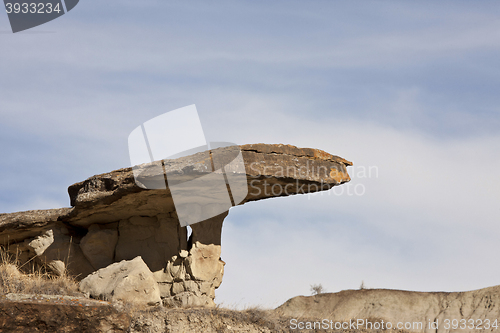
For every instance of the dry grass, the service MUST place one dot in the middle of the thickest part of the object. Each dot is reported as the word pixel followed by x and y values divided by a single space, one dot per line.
pixel 12 280
pixel 256 316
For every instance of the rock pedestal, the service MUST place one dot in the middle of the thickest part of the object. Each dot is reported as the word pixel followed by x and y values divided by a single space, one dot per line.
pixel 114 219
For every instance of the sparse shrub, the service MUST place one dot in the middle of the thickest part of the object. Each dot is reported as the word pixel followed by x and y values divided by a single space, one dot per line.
pixel 362 286
pixel 317 289
pixel 257 315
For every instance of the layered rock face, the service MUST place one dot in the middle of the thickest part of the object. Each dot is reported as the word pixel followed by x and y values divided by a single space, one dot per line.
pixel 114 218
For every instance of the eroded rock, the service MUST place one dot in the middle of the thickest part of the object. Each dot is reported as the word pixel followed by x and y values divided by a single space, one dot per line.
pixel 57 250
pixel 99 244
pixel 156 239
pixel 114 218
pixel 129 281
pixel 39 244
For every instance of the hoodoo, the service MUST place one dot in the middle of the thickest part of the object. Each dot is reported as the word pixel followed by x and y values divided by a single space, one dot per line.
pixel 115 222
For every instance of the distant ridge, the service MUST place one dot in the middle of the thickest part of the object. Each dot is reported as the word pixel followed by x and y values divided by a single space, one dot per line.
pixel 476 310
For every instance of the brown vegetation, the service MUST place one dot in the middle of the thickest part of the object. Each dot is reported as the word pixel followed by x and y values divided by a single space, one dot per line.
pixel 39 281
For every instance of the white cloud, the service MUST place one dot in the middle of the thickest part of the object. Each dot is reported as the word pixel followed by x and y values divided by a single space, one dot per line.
pixel 428 222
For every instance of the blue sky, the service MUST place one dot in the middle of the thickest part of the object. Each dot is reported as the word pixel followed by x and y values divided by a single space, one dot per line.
pixel 410 88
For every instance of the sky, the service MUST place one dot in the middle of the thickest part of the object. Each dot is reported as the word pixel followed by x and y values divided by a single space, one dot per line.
pixel 407 91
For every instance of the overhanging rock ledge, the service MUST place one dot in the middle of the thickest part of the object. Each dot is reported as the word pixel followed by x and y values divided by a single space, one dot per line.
pixel 113 219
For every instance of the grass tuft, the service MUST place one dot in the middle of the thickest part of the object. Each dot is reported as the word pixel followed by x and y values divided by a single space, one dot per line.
pixel 12 280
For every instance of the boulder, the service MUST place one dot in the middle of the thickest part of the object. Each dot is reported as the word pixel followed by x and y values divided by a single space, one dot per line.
pixel 40 243
pixel 129 281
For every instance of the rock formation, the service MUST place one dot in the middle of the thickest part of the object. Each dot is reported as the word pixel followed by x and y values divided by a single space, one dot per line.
pixel 113 219
pixel 471 311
